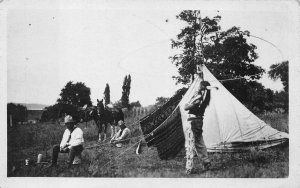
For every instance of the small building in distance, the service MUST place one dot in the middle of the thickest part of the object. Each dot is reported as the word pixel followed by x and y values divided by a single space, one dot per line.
pixel 34 116
pixel 34 113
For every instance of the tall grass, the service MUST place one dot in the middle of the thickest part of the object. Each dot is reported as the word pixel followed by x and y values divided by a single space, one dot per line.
pixel 107 161
pixel 277 121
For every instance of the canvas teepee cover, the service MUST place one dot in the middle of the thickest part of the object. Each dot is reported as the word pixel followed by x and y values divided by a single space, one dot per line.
pixel 227 126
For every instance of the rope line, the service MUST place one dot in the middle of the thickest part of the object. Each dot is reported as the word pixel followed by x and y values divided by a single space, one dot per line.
pixel 229 79
pixel 108 143
pixel 103 144
pixel 121 153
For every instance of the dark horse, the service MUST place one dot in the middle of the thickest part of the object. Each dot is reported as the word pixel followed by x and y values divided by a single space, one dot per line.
pixel 104 116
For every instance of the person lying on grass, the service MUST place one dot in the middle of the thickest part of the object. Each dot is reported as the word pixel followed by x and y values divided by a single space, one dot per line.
pixel 121 137
pixel 72 142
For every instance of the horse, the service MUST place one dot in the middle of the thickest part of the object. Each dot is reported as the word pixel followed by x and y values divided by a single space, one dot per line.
pixel 84 114
pixel 103 116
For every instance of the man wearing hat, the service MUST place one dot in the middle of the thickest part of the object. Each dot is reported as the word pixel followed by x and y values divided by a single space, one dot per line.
pixel 121 137
pixel 72 142
pixel 194 142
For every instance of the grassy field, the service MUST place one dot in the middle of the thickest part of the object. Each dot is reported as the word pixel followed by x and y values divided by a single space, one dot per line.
pixel 107 161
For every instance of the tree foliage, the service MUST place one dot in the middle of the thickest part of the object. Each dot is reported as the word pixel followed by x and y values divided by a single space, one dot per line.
pixel 135 104
pixel 72 97
pixel 118 104
pixel 161 101
pixel 76 94
pixel 281 100
pixel 106 95
pixel 126 91
pixel 226 53
pixel 58 110
pixel 18 113
pixel 280 71
pixel 258 98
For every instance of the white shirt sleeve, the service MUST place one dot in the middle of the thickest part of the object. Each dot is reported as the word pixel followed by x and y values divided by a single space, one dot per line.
pixel 65 138
pixel 76 137
pixel 125 134
pixel 116 135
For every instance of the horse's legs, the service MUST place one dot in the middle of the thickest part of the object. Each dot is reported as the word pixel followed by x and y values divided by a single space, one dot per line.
pixel 113 129
pixel 105 129
pixel 99 124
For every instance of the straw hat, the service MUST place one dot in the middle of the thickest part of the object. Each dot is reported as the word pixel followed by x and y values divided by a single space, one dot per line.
pixel 121 123
pixel 69 119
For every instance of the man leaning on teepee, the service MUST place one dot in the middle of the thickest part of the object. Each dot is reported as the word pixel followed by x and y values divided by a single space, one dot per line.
pixel 196 108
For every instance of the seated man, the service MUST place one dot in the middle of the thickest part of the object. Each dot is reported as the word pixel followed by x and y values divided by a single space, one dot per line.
pixel 72 142
pixel 121 137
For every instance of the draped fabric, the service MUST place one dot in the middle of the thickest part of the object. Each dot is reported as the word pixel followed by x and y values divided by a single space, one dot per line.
pixel 166 127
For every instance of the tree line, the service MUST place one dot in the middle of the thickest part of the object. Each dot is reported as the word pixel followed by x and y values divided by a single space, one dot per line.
pixel 74 96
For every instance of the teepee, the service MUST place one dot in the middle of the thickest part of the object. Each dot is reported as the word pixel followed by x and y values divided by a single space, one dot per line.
pixel 227 125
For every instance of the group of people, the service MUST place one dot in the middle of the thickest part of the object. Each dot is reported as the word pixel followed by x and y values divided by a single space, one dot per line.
pixel 72 141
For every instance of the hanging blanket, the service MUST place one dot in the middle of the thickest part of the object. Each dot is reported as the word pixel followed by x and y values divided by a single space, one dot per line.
pixel 166 127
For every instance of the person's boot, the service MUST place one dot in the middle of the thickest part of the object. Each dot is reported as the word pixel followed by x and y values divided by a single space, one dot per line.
pixel 188 171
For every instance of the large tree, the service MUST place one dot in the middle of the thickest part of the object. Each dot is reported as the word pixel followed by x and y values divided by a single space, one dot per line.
pixel 107 95
pixel 280 71
pixel 126 91
pixel 58 110
pixel 227 54
pixel 77 94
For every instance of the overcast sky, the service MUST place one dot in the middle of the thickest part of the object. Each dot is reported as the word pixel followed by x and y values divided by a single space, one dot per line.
pixel 47 47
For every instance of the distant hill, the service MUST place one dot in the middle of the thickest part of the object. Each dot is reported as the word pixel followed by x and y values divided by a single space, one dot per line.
pixel 34 106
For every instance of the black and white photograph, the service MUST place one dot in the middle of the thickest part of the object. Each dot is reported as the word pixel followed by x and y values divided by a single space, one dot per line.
pixel 166 90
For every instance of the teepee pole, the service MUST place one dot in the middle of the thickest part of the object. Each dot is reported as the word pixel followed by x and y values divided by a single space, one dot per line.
pixel 199 67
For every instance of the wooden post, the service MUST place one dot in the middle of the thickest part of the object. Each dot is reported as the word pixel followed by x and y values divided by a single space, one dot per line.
pixel 200 70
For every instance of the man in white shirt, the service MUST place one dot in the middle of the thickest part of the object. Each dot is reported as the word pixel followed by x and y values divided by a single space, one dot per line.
pixel 121 137
pixel 72 142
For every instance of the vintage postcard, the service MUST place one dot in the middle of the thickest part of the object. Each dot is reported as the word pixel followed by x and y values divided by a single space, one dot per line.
pixel 162 93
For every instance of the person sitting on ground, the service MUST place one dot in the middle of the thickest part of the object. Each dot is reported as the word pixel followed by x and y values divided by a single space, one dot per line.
pixel 121 137
pixel 72 142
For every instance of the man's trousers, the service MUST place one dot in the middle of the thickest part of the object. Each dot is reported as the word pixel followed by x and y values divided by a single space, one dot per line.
pixel 74 151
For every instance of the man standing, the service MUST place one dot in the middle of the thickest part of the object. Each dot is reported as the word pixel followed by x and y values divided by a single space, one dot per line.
pixel 72 142
pixel 121 137
pixel 196 107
